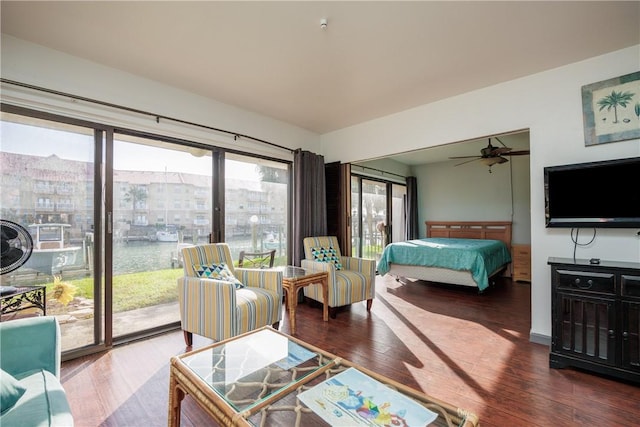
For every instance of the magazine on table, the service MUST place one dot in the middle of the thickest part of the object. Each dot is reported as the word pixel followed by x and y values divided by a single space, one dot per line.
pixel 352 398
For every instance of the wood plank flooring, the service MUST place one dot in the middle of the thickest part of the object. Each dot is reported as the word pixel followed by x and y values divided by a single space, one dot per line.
pixel 470 350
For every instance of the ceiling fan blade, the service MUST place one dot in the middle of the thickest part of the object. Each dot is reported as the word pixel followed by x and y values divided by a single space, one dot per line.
pixel 518 153
pixel 498 151
pixel 465 157
pixel 468 161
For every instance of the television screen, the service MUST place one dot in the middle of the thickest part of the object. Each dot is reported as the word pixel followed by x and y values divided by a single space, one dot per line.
pixel 597 194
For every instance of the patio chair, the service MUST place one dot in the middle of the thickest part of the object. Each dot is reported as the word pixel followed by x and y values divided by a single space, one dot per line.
pixel 256 259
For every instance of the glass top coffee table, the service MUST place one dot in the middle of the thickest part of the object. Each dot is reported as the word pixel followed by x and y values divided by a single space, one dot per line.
pixel 266 378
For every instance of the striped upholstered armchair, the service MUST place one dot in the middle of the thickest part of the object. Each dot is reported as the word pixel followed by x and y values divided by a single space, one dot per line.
pixel 219 301
pixel 350 279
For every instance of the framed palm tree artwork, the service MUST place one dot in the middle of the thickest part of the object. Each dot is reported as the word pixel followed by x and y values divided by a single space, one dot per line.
pixel 611 110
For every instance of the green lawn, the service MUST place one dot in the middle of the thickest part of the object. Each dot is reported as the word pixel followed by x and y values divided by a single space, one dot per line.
pixel 134 290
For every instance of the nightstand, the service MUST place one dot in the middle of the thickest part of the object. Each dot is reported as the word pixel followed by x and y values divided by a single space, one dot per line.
pixel 521 263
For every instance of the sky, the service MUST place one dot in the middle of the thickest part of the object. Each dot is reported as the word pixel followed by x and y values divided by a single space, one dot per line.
pixel 34 140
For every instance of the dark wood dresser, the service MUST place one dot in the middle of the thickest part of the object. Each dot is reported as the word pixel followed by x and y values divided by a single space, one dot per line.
pixel 596 317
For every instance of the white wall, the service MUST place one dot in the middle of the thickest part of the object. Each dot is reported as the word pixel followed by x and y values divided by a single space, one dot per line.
pixel 398 171
pixel 549 105
pixel 470 193
pixel 36 65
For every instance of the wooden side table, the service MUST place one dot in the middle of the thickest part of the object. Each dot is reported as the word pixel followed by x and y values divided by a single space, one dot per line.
pixel 296 278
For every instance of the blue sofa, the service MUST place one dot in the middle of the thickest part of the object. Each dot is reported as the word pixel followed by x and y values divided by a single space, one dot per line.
pixel 30 389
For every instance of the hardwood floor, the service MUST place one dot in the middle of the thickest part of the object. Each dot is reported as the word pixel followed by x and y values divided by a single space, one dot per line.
pixel 470 350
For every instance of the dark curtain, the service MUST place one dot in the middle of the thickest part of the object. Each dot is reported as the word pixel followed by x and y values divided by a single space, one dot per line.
pixel 411 230
pixel 309 200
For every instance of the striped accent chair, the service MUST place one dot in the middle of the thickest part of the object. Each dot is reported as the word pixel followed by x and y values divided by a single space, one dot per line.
pixel 220 309
pixel 350 279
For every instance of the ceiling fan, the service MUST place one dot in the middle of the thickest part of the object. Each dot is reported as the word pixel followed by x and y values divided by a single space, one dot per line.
pixel 491 155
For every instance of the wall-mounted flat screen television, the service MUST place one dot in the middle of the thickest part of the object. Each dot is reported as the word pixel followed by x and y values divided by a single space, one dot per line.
pixel 596 194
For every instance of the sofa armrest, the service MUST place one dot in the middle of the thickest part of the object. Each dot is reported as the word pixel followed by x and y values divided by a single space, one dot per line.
pixel 261 278
pixel 30 343
pixel 363 265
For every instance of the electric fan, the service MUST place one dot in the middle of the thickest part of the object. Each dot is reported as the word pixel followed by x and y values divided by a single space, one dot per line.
pixel 17 246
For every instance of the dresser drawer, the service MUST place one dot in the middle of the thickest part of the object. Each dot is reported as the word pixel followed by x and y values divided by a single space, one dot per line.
pixel 524 275
pixel 521 251
pixel 585 281
pixel 630 285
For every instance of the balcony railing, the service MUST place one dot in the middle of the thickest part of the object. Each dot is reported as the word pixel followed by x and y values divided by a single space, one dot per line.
pixel 64 189
pixel 45 206
pixel 44 189
pixel 64 207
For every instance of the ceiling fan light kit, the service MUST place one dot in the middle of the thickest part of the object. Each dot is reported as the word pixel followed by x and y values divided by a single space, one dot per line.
pixel 490 161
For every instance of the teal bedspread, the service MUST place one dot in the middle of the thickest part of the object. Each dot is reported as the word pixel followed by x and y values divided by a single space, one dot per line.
pixel 480 257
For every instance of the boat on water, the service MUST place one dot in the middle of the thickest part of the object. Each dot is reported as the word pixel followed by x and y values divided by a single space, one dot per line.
pixel 270 242
pixel 169 234
pixel 52 250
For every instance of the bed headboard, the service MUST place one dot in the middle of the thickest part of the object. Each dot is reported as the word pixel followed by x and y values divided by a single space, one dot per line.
pixel 496 230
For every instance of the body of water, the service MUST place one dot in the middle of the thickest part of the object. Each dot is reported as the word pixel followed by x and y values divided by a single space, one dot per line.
pixel 134 257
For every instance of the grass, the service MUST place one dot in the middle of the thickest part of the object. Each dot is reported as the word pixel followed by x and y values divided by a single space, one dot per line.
pixel 134 290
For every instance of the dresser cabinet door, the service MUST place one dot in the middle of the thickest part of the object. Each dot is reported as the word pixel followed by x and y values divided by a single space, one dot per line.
pixel 585 327
pixel 631 322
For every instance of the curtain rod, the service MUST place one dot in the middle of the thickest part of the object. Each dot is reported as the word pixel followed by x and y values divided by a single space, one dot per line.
pixel 379 170
pixel 236 135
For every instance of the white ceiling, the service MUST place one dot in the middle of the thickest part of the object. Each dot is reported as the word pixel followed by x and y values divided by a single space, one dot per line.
pixel 518 141
pixel 373 59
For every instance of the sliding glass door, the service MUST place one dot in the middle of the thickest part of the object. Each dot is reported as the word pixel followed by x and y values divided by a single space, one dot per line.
pixel 161 203
pixel 377 215
pixel 109 211
pixel 48 186
pixel 256 206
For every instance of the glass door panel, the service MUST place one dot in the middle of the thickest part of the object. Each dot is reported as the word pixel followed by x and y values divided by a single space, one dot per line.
pixel 47 186
pixel 161 202
pixel 256 206
pixel 377 215
pixel 374 218
pixel 356 218
pixel 398 212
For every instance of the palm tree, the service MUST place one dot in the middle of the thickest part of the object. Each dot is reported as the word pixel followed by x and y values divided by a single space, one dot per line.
pixel 614 100
pixel 269 174
pixel 135 194
pixel 637 109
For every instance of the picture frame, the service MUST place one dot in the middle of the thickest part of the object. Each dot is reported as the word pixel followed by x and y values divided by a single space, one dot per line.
pixel 611 110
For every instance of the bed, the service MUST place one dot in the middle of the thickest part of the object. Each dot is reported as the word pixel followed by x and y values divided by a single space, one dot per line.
pixel 466 253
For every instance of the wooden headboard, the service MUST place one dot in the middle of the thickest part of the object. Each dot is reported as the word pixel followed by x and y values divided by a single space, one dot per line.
pixel 496 230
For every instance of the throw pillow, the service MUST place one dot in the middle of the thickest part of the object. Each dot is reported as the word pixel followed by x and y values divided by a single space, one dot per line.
pixel 219 272
pixel 327 255
pixel 10 391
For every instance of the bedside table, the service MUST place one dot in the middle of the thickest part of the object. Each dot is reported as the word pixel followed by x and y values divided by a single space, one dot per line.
pixel 521 263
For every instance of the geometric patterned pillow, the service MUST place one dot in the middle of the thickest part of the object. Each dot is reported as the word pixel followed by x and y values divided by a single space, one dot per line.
pixel 219 272
pixel 327 255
